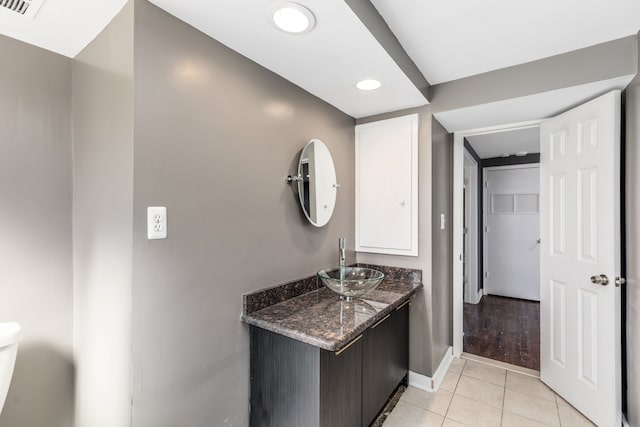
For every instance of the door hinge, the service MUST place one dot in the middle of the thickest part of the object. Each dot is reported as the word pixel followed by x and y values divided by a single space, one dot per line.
pixel 486 184
pixel 465 230
pixel 486 274
pixel 620 281
pixel 486 229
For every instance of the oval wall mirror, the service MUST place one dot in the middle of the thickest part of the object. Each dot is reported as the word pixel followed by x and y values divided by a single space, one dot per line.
pixel 317 182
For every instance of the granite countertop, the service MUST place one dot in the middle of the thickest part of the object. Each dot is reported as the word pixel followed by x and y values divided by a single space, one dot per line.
pixel 322 319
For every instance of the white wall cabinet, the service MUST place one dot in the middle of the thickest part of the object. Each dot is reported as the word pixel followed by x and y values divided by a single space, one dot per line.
pixel 387 186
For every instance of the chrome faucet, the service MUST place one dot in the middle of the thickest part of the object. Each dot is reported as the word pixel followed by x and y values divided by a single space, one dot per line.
pixel 341 246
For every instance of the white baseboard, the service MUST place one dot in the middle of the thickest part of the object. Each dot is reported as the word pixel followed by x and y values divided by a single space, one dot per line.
pixel 479 296
pixel 420 381
pixel 432 384
pixel 474 299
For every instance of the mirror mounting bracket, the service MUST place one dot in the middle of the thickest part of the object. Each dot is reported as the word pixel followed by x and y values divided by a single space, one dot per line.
pixel 291 178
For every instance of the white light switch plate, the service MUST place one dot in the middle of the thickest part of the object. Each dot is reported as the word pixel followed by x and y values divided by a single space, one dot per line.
pixel 442 222
pixel 156 222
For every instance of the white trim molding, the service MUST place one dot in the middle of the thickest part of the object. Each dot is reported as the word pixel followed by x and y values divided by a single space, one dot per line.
pixel 470 222
pixel 432 384
pixel 479 296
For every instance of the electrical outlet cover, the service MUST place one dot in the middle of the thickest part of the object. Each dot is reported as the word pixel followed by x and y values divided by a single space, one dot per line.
pixel 156 222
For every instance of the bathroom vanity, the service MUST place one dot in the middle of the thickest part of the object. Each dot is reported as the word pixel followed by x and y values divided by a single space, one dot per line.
pixel 317 360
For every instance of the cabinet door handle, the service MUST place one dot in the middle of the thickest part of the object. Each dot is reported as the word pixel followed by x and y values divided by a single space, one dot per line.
pixel 348 345
pixel 405 303
pixel 380 321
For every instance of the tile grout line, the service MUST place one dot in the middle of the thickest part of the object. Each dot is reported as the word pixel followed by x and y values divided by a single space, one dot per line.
pixel 404 402
pixel 453 393
pixel 555 399
pixel 483 382
pixel 501 365
pixel 558 409
pixel 504 396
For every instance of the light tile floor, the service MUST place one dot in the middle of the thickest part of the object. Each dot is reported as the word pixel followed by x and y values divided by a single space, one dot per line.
pixel 474 394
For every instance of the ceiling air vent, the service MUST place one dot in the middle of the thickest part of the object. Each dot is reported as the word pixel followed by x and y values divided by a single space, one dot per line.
pixel 28 8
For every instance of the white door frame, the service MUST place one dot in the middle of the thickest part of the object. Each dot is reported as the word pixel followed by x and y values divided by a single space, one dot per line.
pixel 471 257
pixel 458 218
pixel 485 217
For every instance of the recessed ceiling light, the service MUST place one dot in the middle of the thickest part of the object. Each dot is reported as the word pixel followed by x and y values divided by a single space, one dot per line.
pixel 292 18
pixel 368 84
pixel 521 153
pixel 505 155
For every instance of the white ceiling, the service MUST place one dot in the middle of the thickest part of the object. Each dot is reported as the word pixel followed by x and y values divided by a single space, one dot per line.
pixel 510 142
pixel 326 62
pixel 451 39
pixel 447 39
pixel 62 26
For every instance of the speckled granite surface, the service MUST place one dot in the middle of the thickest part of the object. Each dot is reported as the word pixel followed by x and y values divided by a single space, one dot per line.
pixel 396 273
pixel 322 319
pixel 264 298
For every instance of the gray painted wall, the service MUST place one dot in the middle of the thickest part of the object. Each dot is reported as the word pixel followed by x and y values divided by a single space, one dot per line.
pixel 421 312
pixel 431 331
pixel 632 105
pixel 35 231
pixel 103 223
pixel 442 241
pixel 215 135
pixel 591 64
pixel 431 309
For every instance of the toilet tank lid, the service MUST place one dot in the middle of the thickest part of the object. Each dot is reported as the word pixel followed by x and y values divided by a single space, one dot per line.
pixel 10 333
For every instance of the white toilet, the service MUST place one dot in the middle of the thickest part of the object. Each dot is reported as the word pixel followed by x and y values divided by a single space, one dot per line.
pixel 10 335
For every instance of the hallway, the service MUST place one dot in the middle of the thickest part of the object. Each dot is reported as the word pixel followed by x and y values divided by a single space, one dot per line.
pixel 504 329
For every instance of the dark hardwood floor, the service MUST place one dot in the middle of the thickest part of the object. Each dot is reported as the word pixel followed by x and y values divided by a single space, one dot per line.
pixel 504 329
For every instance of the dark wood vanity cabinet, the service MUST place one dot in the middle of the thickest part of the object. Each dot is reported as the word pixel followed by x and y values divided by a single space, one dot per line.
pixel 295 384
pixel 385 361
pixel 341 387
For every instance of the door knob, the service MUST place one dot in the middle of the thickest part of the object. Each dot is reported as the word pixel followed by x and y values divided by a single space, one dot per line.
pixel 600 280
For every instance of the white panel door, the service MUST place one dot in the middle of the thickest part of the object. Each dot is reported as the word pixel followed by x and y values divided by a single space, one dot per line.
pixel 387 186
pixel 513 229
pixel 580 320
